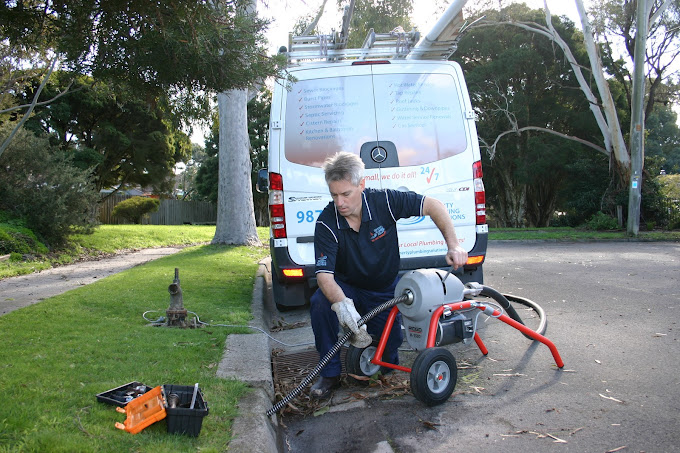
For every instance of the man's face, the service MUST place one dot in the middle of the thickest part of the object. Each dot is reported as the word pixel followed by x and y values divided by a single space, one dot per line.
pixel 347 196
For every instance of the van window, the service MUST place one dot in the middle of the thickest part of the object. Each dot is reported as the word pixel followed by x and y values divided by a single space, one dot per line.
pixel 419 113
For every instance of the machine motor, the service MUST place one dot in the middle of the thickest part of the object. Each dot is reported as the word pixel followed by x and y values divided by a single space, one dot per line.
pixel 432 288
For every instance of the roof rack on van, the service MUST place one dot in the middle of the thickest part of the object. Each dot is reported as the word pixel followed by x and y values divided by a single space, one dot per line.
pixel 438 44
pixel 393 45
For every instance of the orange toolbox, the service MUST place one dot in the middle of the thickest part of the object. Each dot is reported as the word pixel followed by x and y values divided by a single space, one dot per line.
pixel 143 411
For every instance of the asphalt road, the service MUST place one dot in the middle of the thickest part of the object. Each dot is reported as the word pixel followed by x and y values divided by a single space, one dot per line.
pixel 611 311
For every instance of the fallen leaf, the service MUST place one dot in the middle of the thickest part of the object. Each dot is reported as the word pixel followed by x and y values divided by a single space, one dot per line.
pixel 321 411
pixel 359 378
pixel 429 425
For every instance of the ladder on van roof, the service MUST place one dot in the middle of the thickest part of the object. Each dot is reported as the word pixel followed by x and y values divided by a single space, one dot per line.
pixel 439 44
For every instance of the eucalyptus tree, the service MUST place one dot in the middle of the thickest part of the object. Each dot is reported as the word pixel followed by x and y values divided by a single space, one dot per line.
pixel 527 101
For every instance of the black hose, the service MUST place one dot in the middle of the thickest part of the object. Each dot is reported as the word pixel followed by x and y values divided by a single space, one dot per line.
pixel 334 350
pixel 504 301
pixel 543 324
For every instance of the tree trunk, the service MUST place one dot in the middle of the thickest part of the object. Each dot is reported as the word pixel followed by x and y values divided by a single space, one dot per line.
pixel 512 200
pixel 235 213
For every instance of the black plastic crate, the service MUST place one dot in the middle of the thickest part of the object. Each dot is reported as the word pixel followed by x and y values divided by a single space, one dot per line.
pixel 180 418
pixel 122 395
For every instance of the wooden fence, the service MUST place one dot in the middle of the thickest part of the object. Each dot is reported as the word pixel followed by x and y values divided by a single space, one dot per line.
pixel 170 212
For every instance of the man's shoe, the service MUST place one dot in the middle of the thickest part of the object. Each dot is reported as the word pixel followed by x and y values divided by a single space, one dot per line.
pixel 324 386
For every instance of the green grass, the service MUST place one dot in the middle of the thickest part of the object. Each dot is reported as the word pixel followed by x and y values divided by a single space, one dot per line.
pixel 113 238
pixel 58 354
pixel 108 239
pixel 573 234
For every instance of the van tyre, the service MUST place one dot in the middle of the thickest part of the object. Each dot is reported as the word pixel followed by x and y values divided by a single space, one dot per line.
pixel 433 376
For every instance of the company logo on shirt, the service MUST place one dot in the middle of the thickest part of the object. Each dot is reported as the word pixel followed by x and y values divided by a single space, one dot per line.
pixel 377 233
pixel 322 260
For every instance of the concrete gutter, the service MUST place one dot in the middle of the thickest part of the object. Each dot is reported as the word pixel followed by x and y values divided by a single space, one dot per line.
pixel 247 358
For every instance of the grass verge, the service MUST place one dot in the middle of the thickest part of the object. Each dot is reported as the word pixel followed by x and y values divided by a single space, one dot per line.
pixel 58 354
pixel 574 234
pixel 109 239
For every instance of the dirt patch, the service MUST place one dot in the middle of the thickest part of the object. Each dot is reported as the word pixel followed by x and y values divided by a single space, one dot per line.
pixel 18 292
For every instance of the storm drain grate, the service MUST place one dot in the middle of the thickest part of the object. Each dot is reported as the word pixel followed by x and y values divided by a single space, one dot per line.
pixel 292 368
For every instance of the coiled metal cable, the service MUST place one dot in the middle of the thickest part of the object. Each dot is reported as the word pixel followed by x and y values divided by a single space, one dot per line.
pixel 334 350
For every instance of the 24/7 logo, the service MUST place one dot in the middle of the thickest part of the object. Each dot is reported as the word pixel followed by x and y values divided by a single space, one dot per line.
pixel 430 175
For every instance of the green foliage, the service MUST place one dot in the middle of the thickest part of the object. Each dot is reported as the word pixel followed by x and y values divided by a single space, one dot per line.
pixel 601 221
pixel 190 49
pixel 19 240
pixel 518 79
pixel 122 138
pixel 135 208
pixel 381 15
pixel 670 186
pixel 39 184
pixel 581 195
pixel 662 140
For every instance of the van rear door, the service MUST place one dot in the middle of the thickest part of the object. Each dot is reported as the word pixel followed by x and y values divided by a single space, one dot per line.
pixel 405 119
pixel 420 111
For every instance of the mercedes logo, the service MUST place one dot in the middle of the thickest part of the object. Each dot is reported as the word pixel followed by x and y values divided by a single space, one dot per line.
pixel 378 154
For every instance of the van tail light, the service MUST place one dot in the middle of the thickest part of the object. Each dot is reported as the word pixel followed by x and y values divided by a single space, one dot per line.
pixel 296 272
pixel 277 216
pixel 480 194
pixel 474 260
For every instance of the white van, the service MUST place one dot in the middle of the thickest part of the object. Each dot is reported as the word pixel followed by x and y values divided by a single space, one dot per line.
pixel 412 124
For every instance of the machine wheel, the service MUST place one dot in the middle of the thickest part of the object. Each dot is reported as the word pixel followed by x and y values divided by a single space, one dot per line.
pixel 433 376
pixel 358 361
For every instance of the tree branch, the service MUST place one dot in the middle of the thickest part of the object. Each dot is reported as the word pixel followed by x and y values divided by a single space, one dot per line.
pixel 38 104
pixel 518 131
pixel 8 140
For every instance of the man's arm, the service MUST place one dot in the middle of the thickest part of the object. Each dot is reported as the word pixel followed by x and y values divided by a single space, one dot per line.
pixel 329 287
pixel 456 255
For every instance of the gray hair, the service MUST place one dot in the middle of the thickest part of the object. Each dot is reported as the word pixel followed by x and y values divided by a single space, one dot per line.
pixel 344 166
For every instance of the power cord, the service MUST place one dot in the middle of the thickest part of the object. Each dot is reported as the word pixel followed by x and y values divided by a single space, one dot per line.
pixel 161 320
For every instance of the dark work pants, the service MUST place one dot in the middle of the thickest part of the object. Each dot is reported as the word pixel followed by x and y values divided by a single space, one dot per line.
pixel 326 327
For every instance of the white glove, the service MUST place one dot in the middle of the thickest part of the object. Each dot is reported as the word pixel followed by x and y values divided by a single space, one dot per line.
pixel 348 317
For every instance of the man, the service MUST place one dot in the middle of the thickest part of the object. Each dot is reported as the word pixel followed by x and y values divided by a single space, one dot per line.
pixel 357 259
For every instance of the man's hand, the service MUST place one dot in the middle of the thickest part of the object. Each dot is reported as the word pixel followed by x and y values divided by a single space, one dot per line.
pixel 348 317
pixel 456 257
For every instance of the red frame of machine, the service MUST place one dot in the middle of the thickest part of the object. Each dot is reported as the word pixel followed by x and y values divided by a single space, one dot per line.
pixel 432 333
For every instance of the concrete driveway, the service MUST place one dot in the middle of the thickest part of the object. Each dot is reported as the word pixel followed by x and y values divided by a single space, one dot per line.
pixel 611 311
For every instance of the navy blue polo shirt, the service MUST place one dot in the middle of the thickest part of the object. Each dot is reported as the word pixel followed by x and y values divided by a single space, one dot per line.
pixel 368 259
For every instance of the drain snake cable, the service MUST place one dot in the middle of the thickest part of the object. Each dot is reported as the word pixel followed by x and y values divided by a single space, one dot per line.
pixel 334 350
